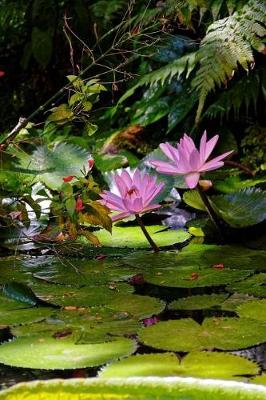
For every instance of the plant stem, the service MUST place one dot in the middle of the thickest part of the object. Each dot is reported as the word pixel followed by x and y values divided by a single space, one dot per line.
pixel 144 230
pixel 242 167
pixel 213 216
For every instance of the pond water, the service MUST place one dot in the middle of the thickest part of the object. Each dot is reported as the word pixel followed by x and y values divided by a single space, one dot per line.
pixel 198 311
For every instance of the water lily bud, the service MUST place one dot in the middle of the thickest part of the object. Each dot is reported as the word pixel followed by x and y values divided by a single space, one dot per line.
pixel 205 184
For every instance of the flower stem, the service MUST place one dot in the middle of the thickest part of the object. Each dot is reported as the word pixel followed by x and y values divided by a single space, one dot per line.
pixel 209 209
pixel 144 230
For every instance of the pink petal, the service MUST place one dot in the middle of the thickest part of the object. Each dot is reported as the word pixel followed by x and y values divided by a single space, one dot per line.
pixel 215 162
pixel 137 205
pixel 121 185
pixel 170 151
pixel 210 146
pixel 114 201
pixel 136 180
pixel 165 167
pixel 194 160
pixel 126 178
pixel 122 215
pixel 152 194
pixel 192 179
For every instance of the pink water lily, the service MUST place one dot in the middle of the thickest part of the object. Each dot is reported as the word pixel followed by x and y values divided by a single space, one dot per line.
pixel 132 195
pixel 187 160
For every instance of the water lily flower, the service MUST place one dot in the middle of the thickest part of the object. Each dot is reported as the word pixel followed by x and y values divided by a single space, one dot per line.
pixel 187 160
pixel 132 195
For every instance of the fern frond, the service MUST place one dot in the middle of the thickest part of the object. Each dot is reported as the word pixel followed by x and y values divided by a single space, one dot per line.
pixel 244 93
pixel 183 65
pixel 229 42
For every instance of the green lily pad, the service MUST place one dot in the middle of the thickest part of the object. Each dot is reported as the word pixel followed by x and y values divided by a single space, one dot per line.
pixel 7 304
pixel 137 389
pixel 202 256
pixel 215 333
pixel 259 380
pixel 24 316
pixel 253 309
pixel 193 199
pixel 80 297
pixel 199 302
pixel 133 237
pixel 192 277
pixel 47 353
pixel 235 300
pixel 220 365
pixel 254 285
pixel 84 272
pixel 243 208
pixel 137 306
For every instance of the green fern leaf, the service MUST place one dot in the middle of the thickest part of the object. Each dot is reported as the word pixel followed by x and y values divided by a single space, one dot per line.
pixel 228 44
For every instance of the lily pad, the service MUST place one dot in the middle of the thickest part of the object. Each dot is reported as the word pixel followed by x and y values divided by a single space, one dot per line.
pixel 253 309
pixel 260 379
pixel 243 208
pixel 235 300
pixel 254 285
pixel 47 353
pixel 215 333
pixel 133 237
pixel 137 389
pixel 220 365
pixel 80 297
pixel 24 316
pixel 199 302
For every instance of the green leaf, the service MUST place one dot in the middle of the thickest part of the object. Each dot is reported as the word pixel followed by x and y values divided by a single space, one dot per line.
pixel 215 333
pixel 152 113
pixel 220 365
pixel 259 380
pixel 43 352
pixel 254 285
pixel 90 128
pixel 199 302
pixel 138 389
pixel 253 309
pixel 61 114
pixel 50 165
pixel 193 199
pixel 133 237
pixel 232 184
pixel 71 206
pixel 24 316
pixel 20 292
pixel 240 209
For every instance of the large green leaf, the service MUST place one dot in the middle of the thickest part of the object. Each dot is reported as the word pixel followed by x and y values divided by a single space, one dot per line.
pixel 199 302
pixel 244 208
pixel 44 352
pixel 50 165
pixel 253 309
pixel 133 237
pixel 215 333
pixel 219 365
pixel 255 286
pixel 136 389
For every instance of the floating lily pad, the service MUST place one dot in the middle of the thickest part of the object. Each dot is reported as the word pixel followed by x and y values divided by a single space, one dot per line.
pixel 24 316
pixel 232 302
pixel 202 256
pixel 192 277
pixel 253 309
pixel 133 237
pixel 7 304
pixel 80 297
pixel 198 302
pixel 137 306
pixel 259 380
pixel 85 328
pixel 196 364
pixel 75 272
pixel 214 333
pixel 47 353
pixel 254 285
pixel 137 389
